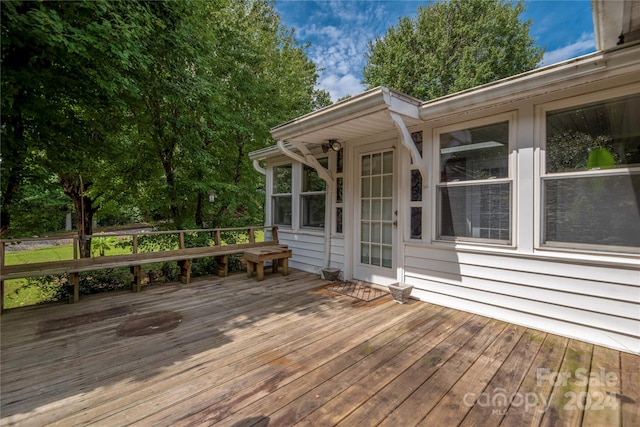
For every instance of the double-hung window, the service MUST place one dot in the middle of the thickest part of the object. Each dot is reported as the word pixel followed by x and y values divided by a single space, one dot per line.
pixel 591 176
pixel 281 195
pixel 312 196
pixel 474 193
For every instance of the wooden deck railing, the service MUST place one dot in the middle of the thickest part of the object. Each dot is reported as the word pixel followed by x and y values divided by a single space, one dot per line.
pixel 183 255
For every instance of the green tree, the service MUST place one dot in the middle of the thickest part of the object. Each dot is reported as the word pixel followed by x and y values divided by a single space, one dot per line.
pixel 212 99
pixel 146 105
pixel 63 78
pixel 321 98
pixel 272 81
pixel 451 46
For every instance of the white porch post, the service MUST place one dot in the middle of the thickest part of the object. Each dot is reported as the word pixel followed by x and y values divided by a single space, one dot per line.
pixel 407 141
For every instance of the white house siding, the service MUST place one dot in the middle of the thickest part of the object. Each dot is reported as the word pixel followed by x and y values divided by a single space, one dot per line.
pixel 337 253
pixel 308 250
pixel 596 303
pixel 590 295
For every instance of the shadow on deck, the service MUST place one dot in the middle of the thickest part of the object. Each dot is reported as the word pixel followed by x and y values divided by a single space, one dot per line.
pixel 287 350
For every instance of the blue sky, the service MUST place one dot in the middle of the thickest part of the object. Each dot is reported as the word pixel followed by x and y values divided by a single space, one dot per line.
pixel 340 29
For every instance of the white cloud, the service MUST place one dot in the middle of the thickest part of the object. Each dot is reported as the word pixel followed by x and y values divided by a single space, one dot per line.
pixel 586 43
pixel 340 32
pixel 340 85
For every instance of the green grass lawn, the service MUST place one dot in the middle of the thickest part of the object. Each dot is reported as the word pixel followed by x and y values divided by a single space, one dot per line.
pixel 29 256
pixel 18 293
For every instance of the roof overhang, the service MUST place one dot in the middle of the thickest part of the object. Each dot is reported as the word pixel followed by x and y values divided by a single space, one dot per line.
pixel 615 22
pixel 366 114
pixel 373 112
pixel 620 60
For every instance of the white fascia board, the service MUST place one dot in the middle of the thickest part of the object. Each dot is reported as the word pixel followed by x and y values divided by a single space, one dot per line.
pixel 564 75
pixel 264 153
pixel 402 104
pixel 608 21
pixel 374 100
pixel 365 103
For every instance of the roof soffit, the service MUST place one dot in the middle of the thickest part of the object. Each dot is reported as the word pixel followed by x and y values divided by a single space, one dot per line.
pixel 564 75
pixel 358 116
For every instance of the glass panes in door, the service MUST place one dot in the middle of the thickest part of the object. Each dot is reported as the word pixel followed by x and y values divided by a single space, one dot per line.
pixel 376 209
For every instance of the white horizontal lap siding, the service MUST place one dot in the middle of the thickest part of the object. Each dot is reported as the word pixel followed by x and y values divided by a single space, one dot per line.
pixel 337 252
pixel 532 285
pixel 576 308
pixel 307 250
pixel 604 337
pixel 564 268
pixel 562 298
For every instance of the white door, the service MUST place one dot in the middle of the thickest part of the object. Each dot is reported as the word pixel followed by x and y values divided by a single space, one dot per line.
pixel 376 218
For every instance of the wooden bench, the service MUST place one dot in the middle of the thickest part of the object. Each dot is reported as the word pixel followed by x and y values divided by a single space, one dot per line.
pixel 256 257
pixel 182 256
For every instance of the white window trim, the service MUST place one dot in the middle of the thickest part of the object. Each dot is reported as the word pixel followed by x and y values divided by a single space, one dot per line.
pixel 270 184
pixel 540 139
pixel 301 194
pixel 510 117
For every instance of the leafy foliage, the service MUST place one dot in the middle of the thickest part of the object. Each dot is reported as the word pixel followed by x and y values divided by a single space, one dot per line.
pixel 146 106
pixel 451 46
pixel 569 151
pixel 102 244
pixel 59 288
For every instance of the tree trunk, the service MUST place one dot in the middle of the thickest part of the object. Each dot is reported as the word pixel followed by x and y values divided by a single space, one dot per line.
pixel 13 184
pixel 199 211
pixel 14 154
pixel 74 187
pixel 241 157
pixel 167 163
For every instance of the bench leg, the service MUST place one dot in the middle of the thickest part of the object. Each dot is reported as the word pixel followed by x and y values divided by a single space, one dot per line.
pixel 260 268
pixel 223 265
pixel 285 266
pixel 250 268
pixel 275 266
pixel 185 271
pixel 75 281
pixel 1 296
pixel 136 284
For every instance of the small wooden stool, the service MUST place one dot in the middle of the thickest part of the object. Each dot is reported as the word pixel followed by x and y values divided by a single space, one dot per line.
pixel 255 258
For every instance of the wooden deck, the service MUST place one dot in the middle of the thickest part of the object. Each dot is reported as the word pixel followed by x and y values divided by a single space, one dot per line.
pixel 287 351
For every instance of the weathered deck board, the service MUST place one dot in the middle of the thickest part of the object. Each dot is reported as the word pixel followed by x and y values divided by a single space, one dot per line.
pixel 456 403
pixel 530 400
pixel 565 399
pixel 604 385
pixel 267 370
pixel 424 395
pixel 359 392
pixel 337 375
pixel 630 389
pixel 328 365
pixel 286 351
pixel 508 378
